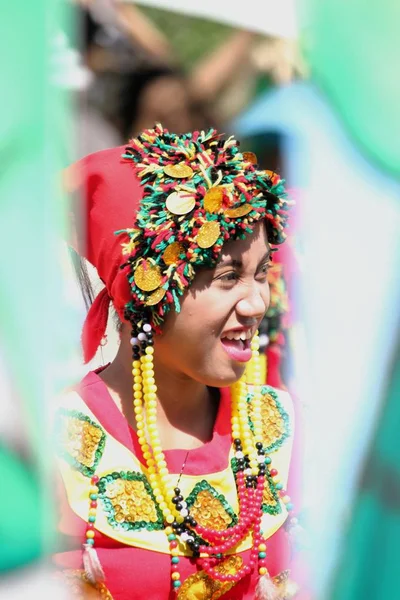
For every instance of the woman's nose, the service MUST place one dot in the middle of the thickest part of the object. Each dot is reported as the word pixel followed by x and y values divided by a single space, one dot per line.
pixel 255 303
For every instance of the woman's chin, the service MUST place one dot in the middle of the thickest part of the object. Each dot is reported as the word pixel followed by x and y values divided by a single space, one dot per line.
pixel 227 376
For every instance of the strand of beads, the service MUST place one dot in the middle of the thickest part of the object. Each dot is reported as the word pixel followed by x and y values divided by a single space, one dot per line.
pixel 253 515
pixel 240 391
pixel 256 391
pixel 152 451
pixel 258 542
pixel 146 396
pixel 175 560
pixel 250 475
pixel 93 496
pixel 138 397
pixel 285 498
pixel 250 491
pixel 163 489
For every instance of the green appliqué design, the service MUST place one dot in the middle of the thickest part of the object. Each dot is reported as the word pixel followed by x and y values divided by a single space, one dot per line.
pixel 205 486
pixel 275 508
pixel 272 509
pixel 61 423
pixel 267 390
pixel 110 510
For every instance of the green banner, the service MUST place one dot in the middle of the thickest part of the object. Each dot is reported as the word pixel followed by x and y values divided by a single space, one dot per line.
pixel 33 330
pixel 353 47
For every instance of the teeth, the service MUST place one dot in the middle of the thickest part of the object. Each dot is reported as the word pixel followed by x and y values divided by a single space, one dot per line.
pixel 239 335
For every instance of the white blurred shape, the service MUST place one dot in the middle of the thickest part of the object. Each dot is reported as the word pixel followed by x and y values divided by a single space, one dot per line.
pixel 351 297
pixel 32 582
pixel 264 16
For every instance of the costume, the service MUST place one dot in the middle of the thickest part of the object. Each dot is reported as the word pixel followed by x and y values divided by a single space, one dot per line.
pixel 199 520
pixel 131 528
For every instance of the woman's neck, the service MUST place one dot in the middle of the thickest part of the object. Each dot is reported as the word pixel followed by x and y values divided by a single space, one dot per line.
pixel 186 410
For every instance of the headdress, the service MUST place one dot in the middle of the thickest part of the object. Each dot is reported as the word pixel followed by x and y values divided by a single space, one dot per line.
pixel 198 192
pixel 173 201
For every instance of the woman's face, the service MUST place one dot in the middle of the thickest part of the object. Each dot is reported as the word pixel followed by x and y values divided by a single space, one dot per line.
pixel 222 303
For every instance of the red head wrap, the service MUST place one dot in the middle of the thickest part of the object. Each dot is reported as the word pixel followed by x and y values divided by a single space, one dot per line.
pixel 98 212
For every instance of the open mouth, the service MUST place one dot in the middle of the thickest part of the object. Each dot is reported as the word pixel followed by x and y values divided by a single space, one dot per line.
pixel 237 344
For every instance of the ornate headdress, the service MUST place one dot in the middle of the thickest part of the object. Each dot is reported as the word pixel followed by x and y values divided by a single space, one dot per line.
pixel 198 192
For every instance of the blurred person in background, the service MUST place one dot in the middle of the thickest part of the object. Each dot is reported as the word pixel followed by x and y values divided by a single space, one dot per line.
pixel 137 77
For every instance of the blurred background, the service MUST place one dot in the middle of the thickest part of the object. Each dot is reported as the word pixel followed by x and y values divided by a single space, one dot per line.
pixel 313 88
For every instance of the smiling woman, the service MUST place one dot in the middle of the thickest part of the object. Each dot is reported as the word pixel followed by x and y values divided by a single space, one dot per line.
pixel 180 491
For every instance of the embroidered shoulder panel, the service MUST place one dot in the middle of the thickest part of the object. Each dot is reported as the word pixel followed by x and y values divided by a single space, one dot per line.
pixel 129 502
pixel 79 440
pixel 128 510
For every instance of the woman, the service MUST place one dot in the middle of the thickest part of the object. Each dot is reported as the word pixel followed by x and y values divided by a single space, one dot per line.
pixel 180 493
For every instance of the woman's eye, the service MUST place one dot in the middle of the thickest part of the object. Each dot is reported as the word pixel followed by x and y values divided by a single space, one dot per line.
pixel 264 269
pixel 227 277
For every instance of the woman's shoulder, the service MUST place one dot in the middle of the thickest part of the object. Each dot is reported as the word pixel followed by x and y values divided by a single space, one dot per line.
pixel 80 394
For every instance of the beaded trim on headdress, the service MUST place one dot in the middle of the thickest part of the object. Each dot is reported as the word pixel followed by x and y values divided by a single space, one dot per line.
pixel 199 192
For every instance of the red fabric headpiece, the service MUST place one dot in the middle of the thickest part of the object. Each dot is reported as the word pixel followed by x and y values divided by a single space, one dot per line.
pixel 106 197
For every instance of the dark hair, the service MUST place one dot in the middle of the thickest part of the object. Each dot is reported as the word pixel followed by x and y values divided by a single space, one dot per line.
pixel 85 285
pixel 83 278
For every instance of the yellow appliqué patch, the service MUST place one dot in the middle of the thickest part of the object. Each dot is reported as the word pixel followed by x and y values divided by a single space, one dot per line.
pixel 79 440
pixel 275 420
pixel 209 511
pixel 129 501
pixel 209 508
pixel 202 587
pixel 80 586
